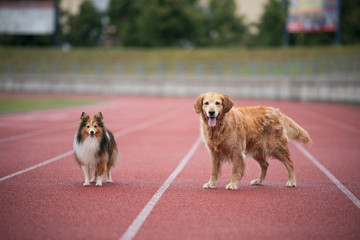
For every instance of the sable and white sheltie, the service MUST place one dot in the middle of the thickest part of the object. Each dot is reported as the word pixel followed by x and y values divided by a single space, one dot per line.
pixel 95 149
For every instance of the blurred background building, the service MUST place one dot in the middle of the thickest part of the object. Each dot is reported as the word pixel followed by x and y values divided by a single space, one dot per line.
pixel 166 47
pixel 167 23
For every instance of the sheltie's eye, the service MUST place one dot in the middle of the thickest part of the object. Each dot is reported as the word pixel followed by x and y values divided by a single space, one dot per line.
pixel 95 126
pixel 88 126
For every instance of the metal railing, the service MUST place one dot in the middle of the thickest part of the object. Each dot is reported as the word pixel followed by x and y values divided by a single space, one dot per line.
pixel 303 66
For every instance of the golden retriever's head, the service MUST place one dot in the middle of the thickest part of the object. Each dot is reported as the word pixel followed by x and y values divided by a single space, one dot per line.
pixel 213 106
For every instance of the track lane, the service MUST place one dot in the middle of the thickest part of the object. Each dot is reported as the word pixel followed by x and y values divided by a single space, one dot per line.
pixel 316 208
pixel 52 202
pixel 55 143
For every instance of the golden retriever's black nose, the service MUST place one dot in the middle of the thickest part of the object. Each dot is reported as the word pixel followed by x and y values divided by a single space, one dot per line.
pixel 211 113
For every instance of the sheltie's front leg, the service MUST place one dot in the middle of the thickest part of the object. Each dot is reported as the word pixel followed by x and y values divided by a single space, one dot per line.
pixel 101 170
pixel 93 179
pixel 86 171
pixel 109 180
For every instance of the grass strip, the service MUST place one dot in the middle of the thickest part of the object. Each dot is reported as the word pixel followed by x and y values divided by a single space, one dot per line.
pixel 10 105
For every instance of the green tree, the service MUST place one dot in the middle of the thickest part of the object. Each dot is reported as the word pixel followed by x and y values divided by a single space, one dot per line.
pixel 153 23
pixel 86 27
pixel 271 25
pixel 123 15
pixel 350 22
pixel 166 22
pixel 222 24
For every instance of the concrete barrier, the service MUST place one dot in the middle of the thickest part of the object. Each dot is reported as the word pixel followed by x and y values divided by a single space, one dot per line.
pixel 330 88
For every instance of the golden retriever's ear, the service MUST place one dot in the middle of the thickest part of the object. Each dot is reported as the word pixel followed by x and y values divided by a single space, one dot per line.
pixel 198 104
pixel 227 103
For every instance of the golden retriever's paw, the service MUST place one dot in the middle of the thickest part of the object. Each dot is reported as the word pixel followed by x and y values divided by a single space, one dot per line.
pixel 209 185
pixel 256 182
pixel 291 183
pixel 231 186
pixel 86 184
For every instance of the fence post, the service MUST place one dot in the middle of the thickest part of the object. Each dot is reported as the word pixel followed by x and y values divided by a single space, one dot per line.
pixel 8 68
pixel 253 68
pixel 269 68
pixel 32 68
pixel 349 64
pixel 76 68
pixel 315 66
pixel 55 68
pixel 327 66
pixel 199 68
pixel 180 68
pixel 98 69
pixel 285 68
pixel 217 68
pixel 301 68
pixel 160 69
pixel 140 69
pixel 119 69
pixel 339 64
pixel 236 69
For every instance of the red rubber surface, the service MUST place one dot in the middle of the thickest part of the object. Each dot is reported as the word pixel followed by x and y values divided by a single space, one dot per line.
pixel 49 202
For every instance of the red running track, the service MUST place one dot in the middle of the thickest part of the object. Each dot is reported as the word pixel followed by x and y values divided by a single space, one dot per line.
pixel 155 197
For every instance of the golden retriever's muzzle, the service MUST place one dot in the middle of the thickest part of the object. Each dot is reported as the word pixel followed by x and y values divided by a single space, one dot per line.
pixel 212 117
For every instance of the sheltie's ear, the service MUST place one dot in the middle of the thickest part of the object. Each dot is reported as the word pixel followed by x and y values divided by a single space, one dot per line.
pixel 84 116
pixel 99 117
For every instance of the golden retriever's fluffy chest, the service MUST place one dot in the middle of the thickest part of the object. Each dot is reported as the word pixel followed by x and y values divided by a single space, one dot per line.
pixel 216 140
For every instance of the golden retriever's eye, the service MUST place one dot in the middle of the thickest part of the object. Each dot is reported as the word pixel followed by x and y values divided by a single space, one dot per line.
pixel 217 103
pixel 206 103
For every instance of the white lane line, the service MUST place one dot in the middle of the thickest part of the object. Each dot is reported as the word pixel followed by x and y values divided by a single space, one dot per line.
pixel 37 165
pixel 346 191
pixel 120 133
pixel 140 219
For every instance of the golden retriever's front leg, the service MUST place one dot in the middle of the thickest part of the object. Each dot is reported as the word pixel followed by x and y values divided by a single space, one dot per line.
pixel 238 169
pixel 215 170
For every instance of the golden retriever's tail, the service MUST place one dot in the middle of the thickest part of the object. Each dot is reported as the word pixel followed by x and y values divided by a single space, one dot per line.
pixel 295 132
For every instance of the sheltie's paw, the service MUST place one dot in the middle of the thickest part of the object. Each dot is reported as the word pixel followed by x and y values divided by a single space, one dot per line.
pixel 98 184
pixel 86 184
pixel 109 181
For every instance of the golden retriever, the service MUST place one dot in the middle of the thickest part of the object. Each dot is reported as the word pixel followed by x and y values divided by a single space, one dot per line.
pixel 229 133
